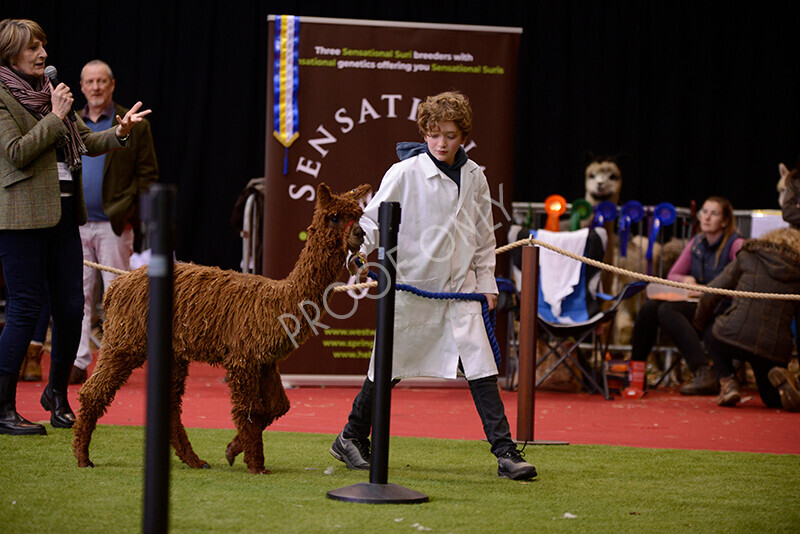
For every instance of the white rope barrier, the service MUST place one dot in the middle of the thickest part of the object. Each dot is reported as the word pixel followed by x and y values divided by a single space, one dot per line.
pixel 106 268
pixel 594 263
pixel 646 277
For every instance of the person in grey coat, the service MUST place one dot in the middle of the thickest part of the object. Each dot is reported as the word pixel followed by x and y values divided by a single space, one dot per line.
pixel 757 330
pixel 41 207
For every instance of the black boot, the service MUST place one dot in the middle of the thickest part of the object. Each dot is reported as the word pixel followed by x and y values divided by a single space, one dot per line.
pixel 704 383
pixel 10 421
pixel 359 422
pixel 54 397
pixel 486 397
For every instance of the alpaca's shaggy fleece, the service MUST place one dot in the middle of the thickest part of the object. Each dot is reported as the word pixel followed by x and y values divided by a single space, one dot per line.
pixel 228 319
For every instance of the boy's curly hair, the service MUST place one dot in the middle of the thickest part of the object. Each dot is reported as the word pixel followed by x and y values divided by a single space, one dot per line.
pixel 448 106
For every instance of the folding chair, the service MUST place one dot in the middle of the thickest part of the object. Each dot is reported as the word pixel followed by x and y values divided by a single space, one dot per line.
pixel 570 307
pixel 671 363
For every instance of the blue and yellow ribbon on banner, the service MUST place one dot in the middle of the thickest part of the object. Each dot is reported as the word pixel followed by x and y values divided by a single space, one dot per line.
pixel 285 79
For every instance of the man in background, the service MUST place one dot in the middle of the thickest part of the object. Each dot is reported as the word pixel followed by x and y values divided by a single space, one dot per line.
pixel 112 184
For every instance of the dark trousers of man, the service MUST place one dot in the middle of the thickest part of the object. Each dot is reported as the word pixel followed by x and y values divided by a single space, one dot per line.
pixel 39 266
pixel 723 356
pixel 675 320
pixel 484 393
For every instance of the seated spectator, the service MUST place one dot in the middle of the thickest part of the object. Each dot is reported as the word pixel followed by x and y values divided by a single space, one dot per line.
pixel 704 257
pixel 756 330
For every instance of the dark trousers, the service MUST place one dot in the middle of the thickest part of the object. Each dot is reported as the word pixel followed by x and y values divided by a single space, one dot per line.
pixel 487 401
pixel 724 354
pixel 41 266
pixel 675 320
pixel 40 333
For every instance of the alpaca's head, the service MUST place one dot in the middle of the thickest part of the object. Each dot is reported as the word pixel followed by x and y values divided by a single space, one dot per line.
pixel 603 180
pixel 336 216
pixel 783 172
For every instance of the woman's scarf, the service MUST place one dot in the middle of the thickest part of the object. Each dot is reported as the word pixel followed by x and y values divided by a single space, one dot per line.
pixel 37 100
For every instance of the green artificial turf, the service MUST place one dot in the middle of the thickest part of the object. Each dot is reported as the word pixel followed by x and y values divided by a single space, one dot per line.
pixel 579 489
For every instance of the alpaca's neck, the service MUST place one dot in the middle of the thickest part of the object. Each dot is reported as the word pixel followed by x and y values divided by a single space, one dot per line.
pixel 316 269
pixel 318 266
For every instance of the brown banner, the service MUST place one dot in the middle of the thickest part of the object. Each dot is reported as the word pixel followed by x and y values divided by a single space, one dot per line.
pixel 359 85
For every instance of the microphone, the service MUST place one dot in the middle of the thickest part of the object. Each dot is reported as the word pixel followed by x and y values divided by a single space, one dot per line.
pixel 51 72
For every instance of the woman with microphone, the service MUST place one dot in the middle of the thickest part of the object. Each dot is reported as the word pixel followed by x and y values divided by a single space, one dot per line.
pixel 41 207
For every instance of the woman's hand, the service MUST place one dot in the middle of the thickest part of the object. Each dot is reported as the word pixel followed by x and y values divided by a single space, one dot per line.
pixel 691 280
pixel 61 100
pixel 130 119
pixel 491 300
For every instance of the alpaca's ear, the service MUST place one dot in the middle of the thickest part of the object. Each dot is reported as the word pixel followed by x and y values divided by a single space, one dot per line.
pixel 782 170
pixel 323 194
pixel 361 191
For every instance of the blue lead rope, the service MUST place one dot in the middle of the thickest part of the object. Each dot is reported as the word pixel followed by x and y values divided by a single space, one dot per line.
pixel 488 315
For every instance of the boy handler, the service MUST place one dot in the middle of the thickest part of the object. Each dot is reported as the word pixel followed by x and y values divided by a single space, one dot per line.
pixel 445 244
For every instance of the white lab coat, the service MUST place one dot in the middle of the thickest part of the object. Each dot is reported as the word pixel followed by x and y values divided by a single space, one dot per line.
pixel 445 244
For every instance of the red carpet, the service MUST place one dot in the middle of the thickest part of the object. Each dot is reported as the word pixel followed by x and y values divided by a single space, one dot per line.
pixel 661 420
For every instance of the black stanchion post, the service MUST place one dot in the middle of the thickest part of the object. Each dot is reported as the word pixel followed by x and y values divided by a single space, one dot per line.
pixel 160 220
pixel 382 399
pixel 378 490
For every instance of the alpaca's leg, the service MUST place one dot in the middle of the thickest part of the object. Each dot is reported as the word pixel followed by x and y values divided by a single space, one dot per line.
pixel 178 438
pixel 273 394
pixel 236 446
pixel 233 449
pixel 274 400
pixel 248 416
pixel 96 395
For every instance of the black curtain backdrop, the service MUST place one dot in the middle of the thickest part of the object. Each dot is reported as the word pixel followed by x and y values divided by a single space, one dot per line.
pixel 698 98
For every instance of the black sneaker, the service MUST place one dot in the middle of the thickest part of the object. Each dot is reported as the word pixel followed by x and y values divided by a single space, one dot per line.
pixel 353 452
pixel 512 465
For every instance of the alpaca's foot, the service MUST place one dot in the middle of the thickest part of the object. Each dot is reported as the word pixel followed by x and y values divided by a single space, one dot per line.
pixel 255 465
pixel 191 459
pixel 259 470
pixel 83 457
pixel 184 451
pixel 197 463
pixel 232 451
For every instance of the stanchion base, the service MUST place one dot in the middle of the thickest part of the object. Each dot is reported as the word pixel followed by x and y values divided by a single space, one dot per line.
pixel 369 493
pixel 541 442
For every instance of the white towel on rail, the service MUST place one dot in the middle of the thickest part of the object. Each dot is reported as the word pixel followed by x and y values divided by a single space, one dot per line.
pixel 559 274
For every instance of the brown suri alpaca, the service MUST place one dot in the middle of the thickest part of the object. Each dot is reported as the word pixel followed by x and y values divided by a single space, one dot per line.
pixel 223 318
